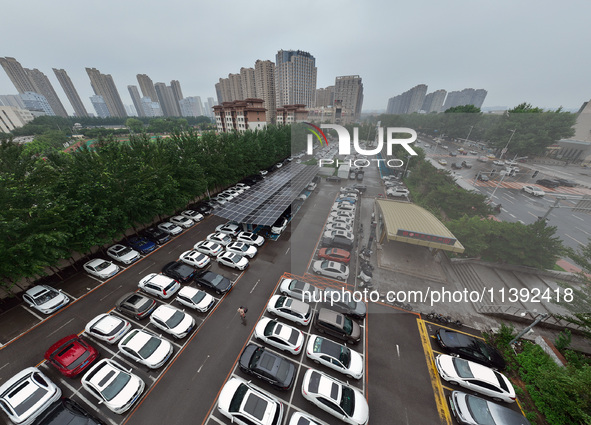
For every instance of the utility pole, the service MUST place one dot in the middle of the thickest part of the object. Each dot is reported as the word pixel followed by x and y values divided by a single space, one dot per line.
pixel 554 205
pixel 505 148
pixel 526 330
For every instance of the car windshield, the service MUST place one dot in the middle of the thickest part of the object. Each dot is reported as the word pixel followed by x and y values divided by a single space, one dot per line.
pixel 484 349
pixel 238 397
pixel 501 381
pixel 348 400
pixel 123 250
pixel 348 326
pixel 102 266
pixel 345 356
pixel 175 319
pixel 198 297
pixel 116 385
pixel 462 368
pixel 45 296
pixel 478 409
pixel 150 346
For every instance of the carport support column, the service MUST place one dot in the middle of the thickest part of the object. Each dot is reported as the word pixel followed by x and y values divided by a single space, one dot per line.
pixel 434 252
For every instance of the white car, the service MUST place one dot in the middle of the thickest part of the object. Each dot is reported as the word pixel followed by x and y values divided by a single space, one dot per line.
pixel 343 233
pixel 335 397
pixel 335 356
pixel 182 221
pixel 331 269
pixel 45 299
pixel 193 215
pixel 398 192
pixel 27 394
pixel 170 228
pixel 159 285
pixel 220 238
pixel 342 213
pixel 242 186
pixel 263 172
pixel 338 226
pixel 290 309
pixel 225 196
pixel 195 298
pixel 172 320
pixel 238 189
pixel 279 226
pixel 340 219
pixel 145 348
pixel 195 258
pixel 299 418
pixel 311 186
pixel 113 385
pixel 229 229
pixel 533 190
pixel 233 260
pixel 107 327
pixel 246 404
pixel 442 161
pixel 220 200
pixel 100 268
pixel 299 290
pixel 475 377
pixel 123 254
pixel 343 206
pixel 250 238
pixel 279 335
pixel 243 249
pixel 498 162
pixel 209 248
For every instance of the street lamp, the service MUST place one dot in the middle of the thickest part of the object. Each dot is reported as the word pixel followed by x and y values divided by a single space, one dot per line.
pixel 505 148
pixel 527 329
pixel 468 138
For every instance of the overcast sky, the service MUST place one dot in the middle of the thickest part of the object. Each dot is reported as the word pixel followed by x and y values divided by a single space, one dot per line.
pixel 534 51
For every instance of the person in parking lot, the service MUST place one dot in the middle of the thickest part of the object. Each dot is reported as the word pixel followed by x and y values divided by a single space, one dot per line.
pixel 242 312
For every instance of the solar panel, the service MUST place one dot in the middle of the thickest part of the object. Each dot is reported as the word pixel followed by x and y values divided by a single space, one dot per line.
pixel 264 203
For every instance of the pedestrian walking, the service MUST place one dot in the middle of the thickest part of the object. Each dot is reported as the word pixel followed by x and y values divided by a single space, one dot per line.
pixel 242 312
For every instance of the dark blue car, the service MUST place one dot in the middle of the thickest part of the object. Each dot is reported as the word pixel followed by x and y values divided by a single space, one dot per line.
pixel 141 244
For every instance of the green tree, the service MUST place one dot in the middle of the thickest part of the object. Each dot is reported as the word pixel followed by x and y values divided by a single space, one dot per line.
pixel 135 125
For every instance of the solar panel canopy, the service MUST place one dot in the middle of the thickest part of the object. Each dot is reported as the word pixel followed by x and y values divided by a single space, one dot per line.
pixel 264 203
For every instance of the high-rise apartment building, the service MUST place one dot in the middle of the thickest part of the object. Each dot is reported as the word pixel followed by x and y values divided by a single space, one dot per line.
pixel 295 78
pixel 209 108
pixel 12 100
pixel 349 90
pixel 137 100
pixel 36 102
pixel 465 97
pixel 170 106
pixel 44 87
pixel 247 81
pixel 17 75
pixel 408 102
pixel 71 92
pixel 434 101
pixel 100 106
pixel 264 78
pixel 325 97
pixel 235 87
pixel 223 91
pixel 104 86
pixel 147 87
pixel 151 108
pixel 191 107
pixel 177 93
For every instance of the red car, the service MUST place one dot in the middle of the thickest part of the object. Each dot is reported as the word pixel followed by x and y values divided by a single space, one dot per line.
pixel 335 254
pixel 71 355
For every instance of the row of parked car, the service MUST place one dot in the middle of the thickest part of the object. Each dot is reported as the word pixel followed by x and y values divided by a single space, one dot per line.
pixel 337 320
pixel 395 187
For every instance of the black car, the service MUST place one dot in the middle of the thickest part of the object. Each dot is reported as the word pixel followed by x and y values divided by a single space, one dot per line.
pixel 268 366
pixel 338 242
pixel 156 235
pixel 453 154
pixel 135 305
pixel 483 177
pixel 202 208
pixel 470 348
pixel 548 183
pixel 333 179
pixel 179 271
pixel 217 282
pixel 340 302
pixel 565 182
pixel 360 187
pixel 66 412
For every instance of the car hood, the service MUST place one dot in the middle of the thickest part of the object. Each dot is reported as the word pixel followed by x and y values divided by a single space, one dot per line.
pixel 361 412
pixel 126 394
pixel 158 356
pixel 186 324
pixel 109 271
pixel 54 302
pixel 356 364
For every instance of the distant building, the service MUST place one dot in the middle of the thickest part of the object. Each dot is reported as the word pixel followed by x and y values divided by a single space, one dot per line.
pixel 168 102
pixel 177 93
pixel 295 78
pixel 100 106
pixel 36 102
pixel 290 114
pixel 434 101
pixel 147 87
pixel 408 102
pixel 17 75
pixel 191 107
pixel 325 97
pixel 349 91
pixel 11 118
pixel 264 77
pixel 12 100
pixel 45 88
pixel 137 100
pixel 247 83
pixel 71 92
pixel 104 86
pixel 464 97
pixel 223 91
pixel 209 109
pixel 240 115
pixel 151 108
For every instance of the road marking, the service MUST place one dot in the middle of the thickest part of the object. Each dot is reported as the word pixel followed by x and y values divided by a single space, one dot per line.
pixel 203 364
pixel 287 250
pixel 512 215
pixel 4 366
pixel 581 230
pixel 578 217
pixel 255 285
pixel 144 269
pixel 580 243
pixel 521 221
pixel 109 294
pixel 529 212
pixel 61 327
pixel 440 400
pixel 398 350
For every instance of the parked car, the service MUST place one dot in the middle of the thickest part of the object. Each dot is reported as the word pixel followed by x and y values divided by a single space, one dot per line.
pixel 135 305
pixel 469 410
pixel 279 335
pixel 341 301
pixel 27 395
pixel 279 226
pixel 45 299
pixel 341 400
pixel 195 258
pixel 66 411
pixel 335 179
pixel 179 271
pixel 217 282
pixel 532 190
pixel 196 216
pixel 242 249
pixel 470 348
pixel 343 220
pixel 398 192
pixel 475 377
pixel 246 404
pixel 146 348
pixel 331 269
pixel 337 242
pixel 290 309
pixel 499 162
pixel 210 248
pixel 195 298
pixel 100 268
pixel 220 238
pixel 548 183
pixel 182 221
pixel 335 356
pixel 334 254
pixel 141 244
pixel 172 321
pixel 107 327
pixel 71 355
pixel 232 260
pixel 123 254
pixel 342 213
pixel 442 161
pixel 483 177
pixel 231 229
pixel 156 235
pixel 113 385
pixel 565 182
pixel 299 290
pixel 159 285
pixel 453 153
pixel 202 207
pixel 250 238
pixel 338 325
pixel 338 226
pixel 170 228
pixel 267 366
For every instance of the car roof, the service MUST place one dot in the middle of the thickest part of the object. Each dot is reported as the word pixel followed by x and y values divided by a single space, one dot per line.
pixel 105 323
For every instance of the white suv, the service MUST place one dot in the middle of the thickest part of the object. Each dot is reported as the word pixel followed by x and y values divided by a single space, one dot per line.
pixel 246 404
pixel 159 285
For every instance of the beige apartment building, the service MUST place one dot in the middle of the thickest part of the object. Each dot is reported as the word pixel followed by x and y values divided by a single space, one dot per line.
pixel 240 115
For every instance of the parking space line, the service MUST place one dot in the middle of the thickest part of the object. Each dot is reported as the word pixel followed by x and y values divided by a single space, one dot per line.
pixel 34 314
pixel 440 401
